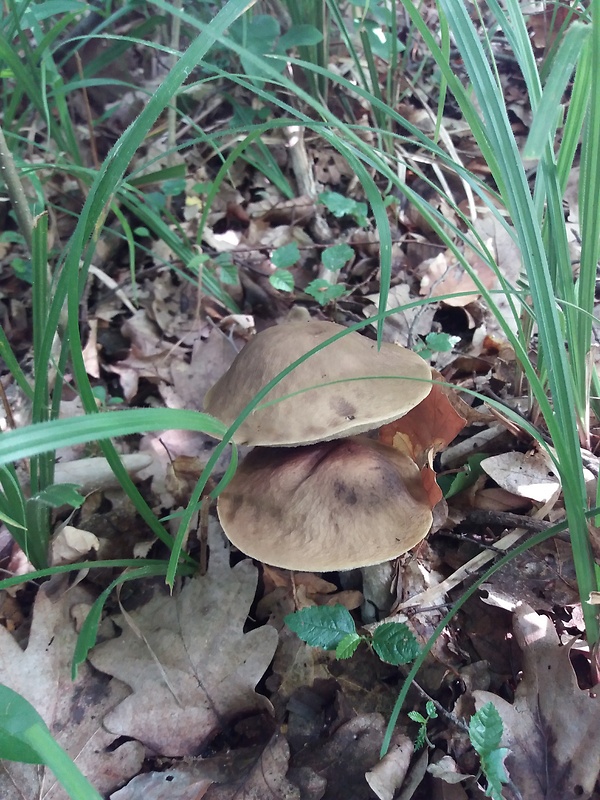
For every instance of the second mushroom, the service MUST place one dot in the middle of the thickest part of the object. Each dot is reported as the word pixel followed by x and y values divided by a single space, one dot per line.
pixel 314 494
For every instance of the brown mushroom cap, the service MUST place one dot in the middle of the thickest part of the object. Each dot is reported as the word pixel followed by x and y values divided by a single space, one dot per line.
pixel 329 506
pixel 396 380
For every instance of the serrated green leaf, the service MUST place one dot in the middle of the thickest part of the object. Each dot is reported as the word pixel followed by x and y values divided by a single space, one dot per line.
pixel 416 717
pixel 286 255
pixel 321 626
pixel 485 729
pixel 324 292
pixel 395 644
pixel 282 280
pixel 61 494
pixel 347 647
pixel 421 737
pixel 336 257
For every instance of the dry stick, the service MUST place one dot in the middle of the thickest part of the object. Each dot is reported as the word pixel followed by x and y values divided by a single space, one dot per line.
pixel 172 107
pixel 16 192
pixel 447 715
pixel 430 596
pixel 7 409
pixel 305 180
pixel 88 114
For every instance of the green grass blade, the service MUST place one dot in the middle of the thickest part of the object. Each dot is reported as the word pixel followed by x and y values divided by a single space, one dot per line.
pixel 27 442
pixel 547 114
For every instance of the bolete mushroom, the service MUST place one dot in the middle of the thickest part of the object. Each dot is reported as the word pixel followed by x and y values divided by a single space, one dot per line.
pixel 335 505
pixel 347 388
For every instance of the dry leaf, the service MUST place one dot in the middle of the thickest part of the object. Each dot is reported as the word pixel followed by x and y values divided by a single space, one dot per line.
pixel 248 773
pixel 529 475
pixel 443 275
pixel 406 324
pixel 195 669
pixel 388 775
pixel 70 544
pixel 344 758
pixel 265 780
pixel 426 429
pixel 552 727
pixel 423 432
pixel 94 474
pixel 72 710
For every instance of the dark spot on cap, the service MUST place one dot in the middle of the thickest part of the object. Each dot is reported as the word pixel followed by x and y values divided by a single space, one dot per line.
pixel 343 408
pixel 345 494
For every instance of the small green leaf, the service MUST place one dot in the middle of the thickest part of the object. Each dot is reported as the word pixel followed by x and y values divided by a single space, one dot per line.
pixel 430 708
pixel 228 274
pixel 61 494
pixel 338 204
pixel 22 269
pixel 300 36
pixel 452 485
pixel 495 772
pixel 395 644
pixel 341 206
pixel 261 32
pixel 282 280
pixel 286 255
pixel 324 292
pixel 336 257
pixel 347 647
pixel 173 187
pixel 441 342
pixel 416 717
pixel 321 626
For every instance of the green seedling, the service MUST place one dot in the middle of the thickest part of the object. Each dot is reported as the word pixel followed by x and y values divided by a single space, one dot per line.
pixel 423 722
pixel 332 628
pixel 436 343
pixel 485 733
pixel 341 206
pixel 333 258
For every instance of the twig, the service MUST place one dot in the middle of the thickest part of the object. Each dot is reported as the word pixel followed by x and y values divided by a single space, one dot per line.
pixel 305 180
pixel 506 519
pixel 16 192
pixel 88 114
pixel 447 715
pixel 7 409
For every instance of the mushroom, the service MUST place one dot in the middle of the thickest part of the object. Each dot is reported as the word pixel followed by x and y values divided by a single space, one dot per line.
pixel 334 505
pixel 348 387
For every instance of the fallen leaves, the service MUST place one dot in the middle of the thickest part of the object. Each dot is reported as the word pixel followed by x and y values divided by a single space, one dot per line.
pixel 189 663
pixel 551 728
pixel 72 710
